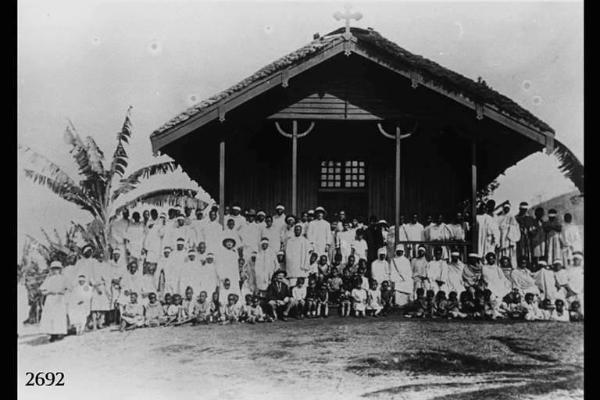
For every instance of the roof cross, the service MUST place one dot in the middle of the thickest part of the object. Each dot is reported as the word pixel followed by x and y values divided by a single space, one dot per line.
pixel 347 16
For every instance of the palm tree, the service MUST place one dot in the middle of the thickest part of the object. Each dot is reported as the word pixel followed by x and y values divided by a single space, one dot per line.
pixel 100 187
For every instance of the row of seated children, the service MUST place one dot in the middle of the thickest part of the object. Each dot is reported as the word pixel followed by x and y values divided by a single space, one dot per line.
pixel 480 304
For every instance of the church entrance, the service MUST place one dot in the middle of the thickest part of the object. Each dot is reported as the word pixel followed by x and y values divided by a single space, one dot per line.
pixel 342 186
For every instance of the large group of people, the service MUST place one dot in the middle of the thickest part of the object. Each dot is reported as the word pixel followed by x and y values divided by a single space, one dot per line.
pixel 184 267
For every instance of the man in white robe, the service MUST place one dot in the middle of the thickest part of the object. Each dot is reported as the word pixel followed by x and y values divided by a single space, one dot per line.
pixel 510 234
pixel 415 233
pixel 344 239
pixel 54 315
pixel 522 279
pixel 166 272
pixel 180 230
pixel 401 276
pixel 178 257
pixel 574 277
pixel 571 239
pixel 272 233
pixel 209 280
pixel 136 232
pixel 190 274
pixel 545 280
pixel 297 252
pixel 212 232
pixel 227 262
pixel 457 228
pixel 198 226
pixel 380 268
pixel 487 231
pixel 494 277
pixel 236 215
pixel 153 242
pixel 266 264
pixel 554 238
pixel 439 232
pixel 455 275
pixel 279 218
pixel 250 235
pixel 319 233
pixel 118 231
pixel 437 271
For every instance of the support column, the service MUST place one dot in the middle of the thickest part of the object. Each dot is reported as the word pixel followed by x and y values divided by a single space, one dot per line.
pixel 221 181
pixel 474 226
pixel 397 194
pixel 294 166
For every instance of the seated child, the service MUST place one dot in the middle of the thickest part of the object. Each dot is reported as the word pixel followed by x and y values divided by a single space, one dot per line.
pixel 511 307
pixel 215 308
pixel 374 305
pixel 311 298
pixel 313 269
pixel 201 311
pixel 155 314
pixel 346 293
pixel 226 289
pixel 298 298
pixel 491 305
pixel 440 305
pixel 359 299
pixel 559 313
pixel 453 306
pixel 187 308
pixel 362 273
pixel 350 265
pixel 231 312
pixel 429 304
pixel 546 309
pixel 388 297
pixel 133 313
pixel 575 314
pixel 168 299
pixel 256 313
pixel 323 300
pixel 337 262
pixel 530 308
pixel 416 309
pixel 244 309
pixel 468 305
pixel 335 283
pixel 322 270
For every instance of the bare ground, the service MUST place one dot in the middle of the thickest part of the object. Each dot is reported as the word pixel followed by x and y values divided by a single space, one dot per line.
pixel 386 358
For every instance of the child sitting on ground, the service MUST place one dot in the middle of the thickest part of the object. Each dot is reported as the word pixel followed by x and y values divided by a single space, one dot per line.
pixel 231 312
pixel 311 298
pixel 359 299
pixel 256 313
pixel 244 308
pixel 416 309
pixel 429 310
pixel 388 298
pixel 467 301
pixel 323 300
pixel 335 283
pixel 440 306
pixel 511 307
pixel 453 306
pixel 322 270
pixel 362 274
pixel 173 310
pixel 298 298
pixel 559 313
pixel 155 314
pixel 215 308
pixel 133 313
pixel 374 305
pixel 186 312
pixel 530 308
pixel 575 314
pixel 168 299
pixel 491 305
pixel 546 309
pixel 201 311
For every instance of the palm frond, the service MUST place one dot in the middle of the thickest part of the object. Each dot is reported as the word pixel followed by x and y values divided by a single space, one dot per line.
pixel 130 183
pixel 47 168
pixel 95 156
pixel 119 160
pixel 570 165
pixel 36 245
pixel 170 197
pixel 78 150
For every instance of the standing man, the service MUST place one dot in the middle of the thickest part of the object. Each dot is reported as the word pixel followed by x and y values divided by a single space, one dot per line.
pixel 554 243
pixel 272 234
pixel 319 233
pixel 415 233
pixel 488 231
pixel 250 234
pixel 510 234
pixel 212 231
pixel 266 264
pixel 538 237
pixel 374 239
pixel 198 227
pixel 401 277
pixel 152 244
pixel 54 317
pixel 526 226
pixel 439 232
pixel 571 239
pixel 279 218
pixel 118 232
pixel 297 252
pixel 237 216
pixel 260 219
pixel 135 237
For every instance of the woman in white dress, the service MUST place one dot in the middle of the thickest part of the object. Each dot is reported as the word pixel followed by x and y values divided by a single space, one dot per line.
pixel 54 313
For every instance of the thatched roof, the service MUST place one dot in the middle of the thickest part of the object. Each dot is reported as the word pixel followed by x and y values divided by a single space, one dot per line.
pixel 373 43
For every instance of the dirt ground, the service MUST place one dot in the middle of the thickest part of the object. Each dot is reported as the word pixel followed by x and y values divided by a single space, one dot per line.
pixel 335 358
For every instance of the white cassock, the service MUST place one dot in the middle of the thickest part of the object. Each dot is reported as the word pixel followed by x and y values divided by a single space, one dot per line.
pixel 118 232
pixel 197 226
pixel 401 276
pixel 130 283
pixel 488 234
pixel 319 235
pixel 279 222
pixel 153 242
pixel 510 234
pixel 286 234
pixel 175 266
pixel 175 232
pixel 213 235
pixel 415 233
pixel 266 264
pixel 166 266
pixel 274 235
pixel 440 233
pixel 135 237
pixel 437 270
pixel 190 276
pixel 208 279
pixel 240 221
pixel 496 281
pixel 457 232
pixel 250 236
pixel 545 280
pixel 79 304
pixel 100 277
pixel 380 270
pixel 345 239
pixel 297 257
pixel 226 262
pixel 455 280
pixel 571 240
pixel 54 313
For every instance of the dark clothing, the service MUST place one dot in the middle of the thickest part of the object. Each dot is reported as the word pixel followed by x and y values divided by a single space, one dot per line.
pixel 526 225
pixel 322 295
pixel 375 241
pixel 278 291
pixel 311 293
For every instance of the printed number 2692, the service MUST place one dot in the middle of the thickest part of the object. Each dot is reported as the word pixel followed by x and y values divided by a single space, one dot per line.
pixel 45 379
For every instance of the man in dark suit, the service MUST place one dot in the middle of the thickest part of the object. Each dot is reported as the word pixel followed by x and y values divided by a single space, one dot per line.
pixel 279 295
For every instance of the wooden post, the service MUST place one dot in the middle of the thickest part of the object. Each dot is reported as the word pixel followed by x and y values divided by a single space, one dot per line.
pixel 221 181
pixel 474 226
pixel 397 198
pixel 294 166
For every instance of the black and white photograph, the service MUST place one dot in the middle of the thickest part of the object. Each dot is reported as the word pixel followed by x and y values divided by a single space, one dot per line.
pixel 300 200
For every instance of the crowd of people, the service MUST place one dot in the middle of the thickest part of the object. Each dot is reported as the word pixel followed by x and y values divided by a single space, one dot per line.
pixel 174 269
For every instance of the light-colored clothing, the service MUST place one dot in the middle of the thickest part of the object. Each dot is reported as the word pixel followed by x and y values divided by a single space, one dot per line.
pixel 319 235
pixel 297 256
pixel 374 300
pixel 209 280
pixel 153 242
pixel 522 280
pixel 455 278
pixel 79 304
pixel 496 281
pixel 380 270
pixel 135 238
pixel 54 313
pixel 299 293
pixel 360 249
pixel 250 236
pixel 437 271
pixel 510 234
pixel 488 234
pixel 212 235
pixel 274 234
pixel 401 276
pixel 22 305
pixel 545 280
pixel 266 265
pixel 359 299
pixel 227 266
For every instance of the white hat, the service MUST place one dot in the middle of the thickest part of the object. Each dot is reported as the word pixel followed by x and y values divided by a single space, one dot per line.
pixel 167 248
pixel 421 248
pixel 557 261
pixel 85 247
pixel 310 212
pixel 279 206
pixel 264 240
pixel 321 209
pixel 542 262
pixel 382 250
pixel 56 264
pixel 298 224
pixel 236 208
pixel 180 217
pixel 290 217
pixel 524 205
pixel 399 247
pixel 578 255
pixel 163 215
pixel 473 255
pixel 117 250
pixel 382 221
pixel 191 251
pixel 261 213
pixel 455 253
pixel 281 252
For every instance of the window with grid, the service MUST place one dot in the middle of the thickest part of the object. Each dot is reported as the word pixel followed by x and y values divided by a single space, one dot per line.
pixel 343 174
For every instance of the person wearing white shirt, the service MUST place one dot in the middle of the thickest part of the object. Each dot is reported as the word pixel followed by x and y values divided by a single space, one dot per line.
pixel 319 233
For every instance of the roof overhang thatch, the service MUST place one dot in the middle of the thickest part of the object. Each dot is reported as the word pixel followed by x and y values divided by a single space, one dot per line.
pixel 484 101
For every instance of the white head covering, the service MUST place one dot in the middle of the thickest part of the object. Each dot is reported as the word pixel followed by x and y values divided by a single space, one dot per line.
pixel 399 247
pixel 382 250
pixel 56 264
pixel 279 206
